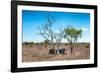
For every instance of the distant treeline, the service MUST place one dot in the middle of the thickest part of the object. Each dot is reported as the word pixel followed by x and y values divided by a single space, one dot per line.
pixel 32 43
pixel 41 43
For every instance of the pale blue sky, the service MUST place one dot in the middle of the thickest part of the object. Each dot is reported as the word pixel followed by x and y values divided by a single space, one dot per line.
pixel 32 19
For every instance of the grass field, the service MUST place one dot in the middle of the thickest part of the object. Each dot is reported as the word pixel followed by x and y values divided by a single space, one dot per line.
pixel 35 53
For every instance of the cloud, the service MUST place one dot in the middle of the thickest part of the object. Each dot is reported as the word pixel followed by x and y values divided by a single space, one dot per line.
pixel 84 29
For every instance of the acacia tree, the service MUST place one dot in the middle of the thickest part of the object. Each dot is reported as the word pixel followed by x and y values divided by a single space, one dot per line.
pixel 72 35
pixel 46 30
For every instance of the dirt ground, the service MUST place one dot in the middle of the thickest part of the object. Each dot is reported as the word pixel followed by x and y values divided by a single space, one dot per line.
pixel 35 53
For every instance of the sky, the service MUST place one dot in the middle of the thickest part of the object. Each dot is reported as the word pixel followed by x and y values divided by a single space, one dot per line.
pixel 31 20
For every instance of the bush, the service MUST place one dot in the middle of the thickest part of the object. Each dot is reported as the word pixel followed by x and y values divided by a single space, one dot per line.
pixel 66 44
pixel 87 46
pixel 25 43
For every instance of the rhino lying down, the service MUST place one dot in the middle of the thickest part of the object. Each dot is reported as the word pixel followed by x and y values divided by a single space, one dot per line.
pixel 57 51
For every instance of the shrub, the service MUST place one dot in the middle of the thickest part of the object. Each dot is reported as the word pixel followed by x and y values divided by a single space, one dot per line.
pixel 66 44
pixel 87 46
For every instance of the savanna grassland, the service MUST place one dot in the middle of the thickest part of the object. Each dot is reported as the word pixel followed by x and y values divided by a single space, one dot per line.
pixel 40 52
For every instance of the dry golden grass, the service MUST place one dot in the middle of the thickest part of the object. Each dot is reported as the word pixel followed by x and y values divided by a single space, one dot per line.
pixel 35 53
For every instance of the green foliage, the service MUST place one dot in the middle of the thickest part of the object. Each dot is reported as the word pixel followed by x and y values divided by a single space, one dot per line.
pixel 28 43
pixel 46 42
pixel 72 34
pixel 31 43
pixel 66 44
pixel 87 46
pixel 25 43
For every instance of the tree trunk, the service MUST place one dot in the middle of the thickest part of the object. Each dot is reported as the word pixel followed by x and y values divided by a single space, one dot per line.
pixel 71 47
pixel 52 44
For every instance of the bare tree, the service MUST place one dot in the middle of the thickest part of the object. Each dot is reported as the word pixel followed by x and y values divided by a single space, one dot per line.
pixel 58 37
pixel 46 30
